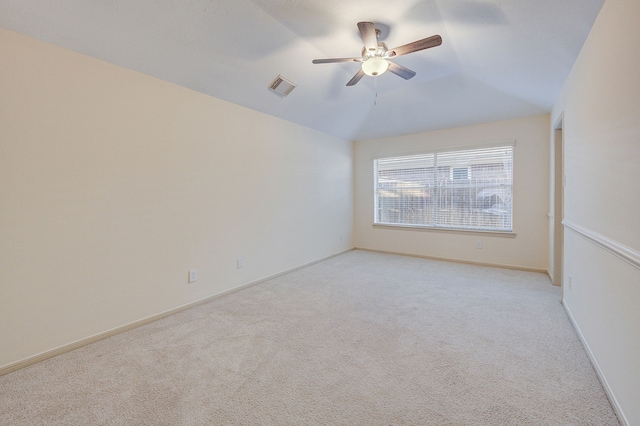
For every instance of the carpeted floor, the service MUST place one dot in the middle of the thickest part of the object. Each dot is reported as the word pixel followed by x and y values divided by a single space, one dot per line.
pixel 360 339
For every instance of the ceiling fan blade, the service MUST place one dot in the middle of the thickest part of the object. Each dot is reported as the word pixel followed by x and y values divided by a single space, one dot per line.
pixel 368 33
pixel 425 43
pixel 334 60
pixel 356 78
pixel 401 71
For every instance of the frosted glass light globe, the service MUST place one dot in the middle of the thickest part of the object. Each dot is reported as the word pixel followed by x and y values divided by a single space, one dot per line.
pixel 375 66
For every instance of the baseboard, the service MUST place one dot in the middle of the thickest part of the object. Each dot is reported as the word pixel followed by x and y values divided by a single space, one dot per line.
pixel 468 262
pixel 548 272
pixel 596 368
pixel 6 369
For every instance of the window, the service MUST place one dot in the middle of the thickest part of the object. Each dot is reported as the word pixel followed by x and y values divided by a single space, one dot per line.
pixel 468 189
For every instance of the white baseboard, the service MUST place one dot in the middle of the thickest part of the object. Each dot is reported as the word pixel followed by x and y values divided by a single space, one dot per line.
pixel 6 369
pixel 468 262
pixel 551 277
pixel 596 367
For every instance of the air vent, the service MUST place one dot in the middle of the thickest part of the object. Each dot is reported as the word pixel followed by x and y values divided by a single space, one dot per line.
pixel 282 86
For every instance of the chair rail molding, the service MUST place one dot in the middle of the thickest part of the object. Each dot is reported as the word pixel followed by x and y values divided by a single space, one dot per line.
pixel 623 252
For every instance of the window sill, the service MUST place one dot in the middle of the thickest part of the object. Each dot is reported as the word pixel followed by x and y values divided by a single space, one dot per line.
pixel 503 234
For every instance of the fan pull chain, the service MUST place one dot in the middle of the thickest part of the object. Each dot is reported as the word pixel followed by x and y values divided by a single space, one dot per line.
pixel 375 85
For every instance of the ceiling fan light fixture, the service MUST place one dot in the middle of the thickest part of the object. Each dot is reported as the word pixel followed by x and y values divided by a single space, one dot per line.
pixel 375 54
pixel 375 66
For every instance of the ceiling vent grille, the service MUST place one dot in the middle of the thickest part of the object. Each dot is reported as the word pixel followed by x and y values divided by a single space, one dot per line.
pixel 282 86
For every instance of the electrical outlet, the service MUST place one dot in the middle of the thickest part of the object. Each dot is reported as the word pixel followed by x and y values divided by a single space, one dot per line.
pixel 193 275
pixel 240 263
pixel 479 244
pixel 570 282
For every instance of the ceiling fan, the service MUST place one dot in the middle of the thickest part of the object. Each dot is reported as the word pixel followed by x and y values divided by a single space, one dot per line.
pixel 375 54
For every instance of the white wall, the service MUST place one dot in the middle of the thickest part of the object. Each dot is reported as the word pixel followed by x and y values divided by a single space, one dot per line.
pixel 601 106
pixel 114 184
pixel 531 170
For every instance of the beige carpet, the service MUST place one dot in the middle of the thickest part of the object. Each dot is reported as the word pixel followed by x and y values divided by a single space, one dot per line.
pixel 360 339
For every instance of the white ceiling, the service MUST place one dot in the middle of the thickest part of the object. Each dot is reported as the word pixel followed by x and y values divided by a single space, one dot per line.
pixel 499 59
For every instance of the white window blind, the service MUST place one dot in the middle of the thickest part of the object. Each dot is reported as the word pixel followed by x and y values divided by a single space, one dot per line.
pixel 467 189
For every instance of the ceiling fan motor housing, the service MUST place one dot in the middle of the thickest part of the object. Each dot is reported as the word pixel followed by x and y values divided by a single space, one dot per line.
pixel 379 52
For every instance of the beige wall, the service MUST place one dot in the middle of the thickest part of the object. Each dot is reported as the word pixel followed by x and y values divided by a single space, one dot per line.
pixel 114 184
pixel 601 106
pixel 531 169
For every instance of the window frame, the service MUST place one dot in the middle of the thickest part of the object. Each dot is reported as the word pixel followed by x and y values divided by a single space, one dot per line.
pixel 455 173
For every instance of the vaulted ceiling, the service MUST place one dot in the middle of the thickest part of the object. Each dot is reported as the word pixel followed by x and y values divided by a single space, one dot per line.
pixel 499 59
